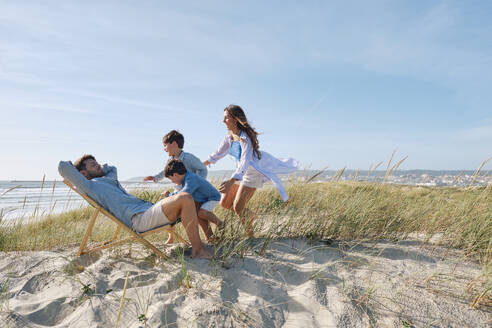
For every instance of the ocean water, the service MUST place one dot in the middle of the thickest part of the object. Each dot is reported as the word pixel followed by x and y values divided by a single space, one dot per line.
pixel 35 199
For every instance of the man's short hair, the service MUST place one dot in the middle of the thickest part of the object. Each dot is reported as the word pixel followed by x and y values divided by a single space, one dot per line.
pixel 174 135
pixel 174 166
pixel 80 163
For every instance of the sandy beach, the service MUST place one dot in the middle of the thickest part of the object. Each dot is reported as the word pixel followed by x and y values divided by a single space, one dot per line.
pixel 291 283
pixel 334 156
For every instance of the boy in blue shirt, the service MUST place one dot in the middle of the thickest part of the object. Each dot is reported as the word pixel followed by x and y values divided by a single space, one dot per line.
pixel 173 145
pixel 204 194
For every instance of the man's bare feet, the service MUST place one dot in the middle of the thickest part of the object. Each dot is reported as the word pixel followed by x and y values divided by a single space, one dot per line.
pixel 202 253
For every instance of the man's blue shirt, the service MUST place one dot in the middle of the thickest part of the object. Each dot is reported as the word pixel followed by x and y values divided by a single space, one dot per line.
pixel 106 191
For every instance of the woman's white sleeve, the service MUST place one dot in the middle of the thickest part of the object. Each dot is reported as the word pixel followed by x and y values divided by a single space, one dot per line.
pixel 246 158
pixel 221 151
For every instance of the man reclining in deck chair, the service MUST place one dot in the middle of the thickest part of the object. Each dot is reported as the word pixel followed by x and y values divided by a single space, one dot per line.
pixel 101 184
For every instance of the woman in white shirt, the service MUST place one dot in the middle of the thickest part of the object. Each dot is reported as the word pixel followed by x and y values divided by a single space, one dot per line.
pixel 254 167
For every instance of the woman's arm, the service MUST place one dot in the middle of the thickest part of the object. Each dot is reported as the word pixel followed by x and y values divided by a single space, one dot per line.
pixel 221 151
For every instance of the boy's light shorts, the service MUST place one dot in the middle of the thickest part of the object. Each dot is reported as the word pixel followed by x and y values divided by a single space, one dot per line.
pixel 252 178
pixel 150 219
pixel 210 205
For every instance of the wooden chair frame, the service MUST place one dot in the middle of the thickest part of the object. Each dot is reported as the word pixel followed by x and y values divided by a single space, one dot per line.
pixel 119 225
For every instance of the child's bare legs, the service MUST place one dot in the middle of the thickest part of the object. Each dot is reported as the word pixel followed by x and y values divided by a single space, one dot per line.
pixel 204 218
pixel 207 230
pixel 209 216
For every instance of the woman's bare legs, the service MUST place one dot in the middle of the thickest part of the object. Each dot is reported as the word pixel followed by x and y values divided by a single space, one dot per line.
pixel 183 205
pixel 236 199
pixel 246 216
pixel 226 200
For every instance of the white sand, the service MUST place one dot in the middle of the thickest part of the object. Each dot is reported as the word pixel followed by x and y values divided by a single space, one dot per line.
pixel 294 284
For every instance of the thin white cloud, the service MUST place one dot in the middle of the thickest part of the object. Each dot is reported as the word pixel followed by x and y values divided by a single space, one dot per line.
pixel 12 105
pixel 23 78
pixel 132 102
pixel 308 114
pixel 430 44
pixel 59 108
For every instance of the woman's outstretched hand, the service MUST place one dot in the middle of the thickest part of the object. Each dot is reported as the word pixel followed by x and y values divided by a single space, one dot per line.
pixel 226 185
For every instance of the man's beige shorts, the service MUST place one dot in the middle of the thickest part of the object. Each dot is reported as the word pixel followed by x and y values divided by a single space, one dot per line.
pixel 150 219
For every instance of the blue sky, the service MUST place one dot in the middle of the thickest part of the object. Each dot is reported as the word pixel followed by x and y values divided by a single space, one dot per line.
pixel 337 84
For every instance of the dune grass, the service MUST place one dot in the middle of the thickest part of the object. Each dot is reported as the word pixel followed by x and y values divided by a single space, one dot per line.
pixel 337 210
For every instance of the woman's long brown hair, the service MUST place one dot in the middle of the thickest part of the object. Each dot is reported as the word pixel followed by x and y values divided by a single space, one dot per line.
pixel 243 125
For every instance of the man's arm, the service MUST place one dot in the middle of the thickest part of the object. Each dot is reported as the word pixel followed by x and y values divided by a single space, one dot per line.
pixel 69 172
pixel 110 171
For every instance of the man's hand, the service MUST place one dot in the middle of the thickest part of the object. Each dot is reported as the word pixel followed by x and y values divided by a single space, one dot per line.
pixel 206 163
pixel 149 178
pixel 226 185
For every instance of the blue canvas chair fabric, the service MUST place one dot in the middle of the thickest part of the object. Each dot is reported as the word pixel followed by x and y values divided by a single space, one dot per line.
pixel 120 224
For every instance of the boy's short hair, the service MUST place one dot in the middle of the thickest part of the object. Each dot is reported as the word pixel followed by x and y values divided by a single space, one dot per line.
pixel 80 163
pixel 174 135
pixel 174 166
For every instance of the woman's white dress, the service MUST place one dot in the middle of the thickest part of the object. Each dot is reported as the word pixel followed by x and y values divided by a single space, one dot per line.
pixel 268 165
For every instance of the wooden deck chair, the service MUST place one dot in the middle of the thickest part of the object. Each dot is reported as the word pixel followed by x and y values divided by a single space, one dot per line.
pixel 119 225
